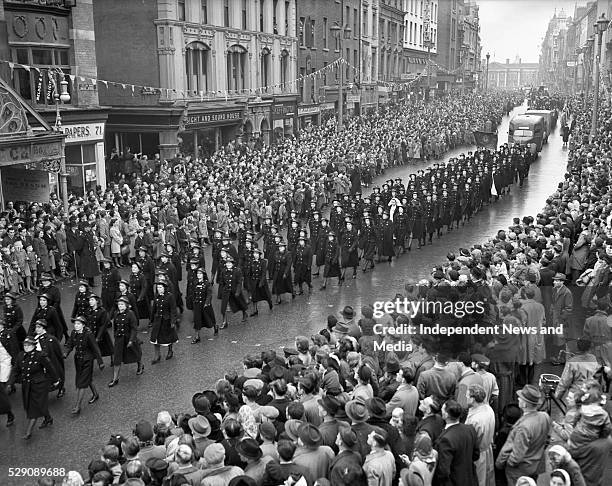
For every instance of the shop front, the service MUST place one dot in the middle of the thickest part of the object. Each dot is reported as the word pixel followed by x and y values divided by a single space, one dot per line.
pixel 209 130
pixel 309 115
pixel 353 104
pixel 282 119
pixel 85 161
pixel 30 167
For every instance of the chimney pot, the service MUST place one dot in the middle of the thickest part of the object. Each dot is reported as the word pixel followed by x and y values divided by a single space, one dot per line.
pixel 507 61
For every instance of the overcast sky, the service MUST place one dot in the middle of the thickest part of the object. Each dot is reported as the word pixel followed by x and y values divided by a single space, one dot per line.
pixel 510 28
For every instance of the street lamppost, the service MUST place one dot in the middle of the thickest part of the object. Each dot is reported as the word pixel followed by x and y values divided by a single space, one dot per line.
pixel 61 97
pixel 600 27
pixel 340 33
pixel 487 78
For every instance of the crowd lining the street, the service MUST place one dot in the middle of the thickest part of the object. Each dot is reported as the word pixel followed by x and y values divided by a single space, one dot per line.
pixel 333 410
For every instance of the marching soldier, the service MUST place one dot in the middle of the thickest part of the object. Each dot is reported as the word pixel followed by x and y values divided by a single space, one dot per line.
pixel 400 223
pixel 147 267
pixel 110 284
pixel 385 238
pixel 257 283
pixel 13 318
pixel 56 301
pixel 163 320
pixel 282 282
pixel 367 242
pixel 51 347
pixel 166 265
pixel 230 291
pixel 99 322
pixel 217 243
pixel 127 346
pixel 302 261
pixel 293 233
pixel 331 262
pixel 81 299
pixel 203 313
pixel 138 287
pixel 46 312
pixel 320 245
pixel 349 255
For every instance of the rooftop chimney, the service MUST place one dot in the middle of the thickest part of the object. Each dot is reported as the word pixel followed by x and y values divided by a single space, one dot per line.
pixel 507 61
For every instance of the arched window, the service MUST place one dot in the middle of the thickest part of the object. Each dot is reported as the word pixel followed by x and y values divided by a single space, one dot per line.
pixel 284 68
pixel 197 66
pixel 266 67
pixel 236 68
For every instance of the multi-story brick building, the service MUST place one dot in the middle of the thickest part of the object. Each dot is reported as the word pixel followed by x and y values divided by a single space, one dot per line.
pixel 47 42
pixel 219 70
pixel 469 54
pixel 420 40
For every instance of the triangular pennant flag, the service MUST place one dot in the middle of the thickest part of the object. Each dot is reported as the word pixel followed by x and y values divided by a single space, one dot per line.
pixel 123 85
pixel 105 82
pixel 82 79
pixel 72 78
pixel 11 65
pixel 27 68
pixel 94 81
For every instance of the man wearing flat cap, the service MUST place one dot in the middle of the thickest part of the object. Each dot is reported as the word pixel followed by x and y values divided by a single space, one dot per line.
pixel 315 457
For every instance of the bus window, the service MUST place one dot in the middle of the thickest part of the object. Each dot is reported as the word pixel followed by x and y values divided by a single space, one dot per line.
pixel 523 133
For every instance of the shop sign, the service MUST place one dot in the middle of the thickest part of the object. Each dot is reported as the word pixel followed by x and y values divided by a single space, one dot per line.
pixel 84 132
pixel 200 120
pixel 353 98
pixel 25 185
pixel 328 106
pixel 282 111
pixel 31 152
pixel 308 110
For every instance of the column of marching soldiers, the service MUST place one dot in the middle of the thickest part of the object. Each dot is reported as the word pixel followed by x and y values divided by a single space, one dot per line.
pixel 359 232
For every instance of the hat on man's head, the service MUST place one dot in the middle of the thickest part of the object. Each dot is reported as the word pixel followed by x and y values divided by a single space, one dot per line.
pixel 559 276
pixel 292 427
pixel 376 407
pixel 200 426
pixel 155 464
pixel 267 431
pixel 392 365
pixel 356 410
pixel 200 403
pixel 329 404
pixel 309 435
pixel 249 448
pixel 531 394
pixel 348 312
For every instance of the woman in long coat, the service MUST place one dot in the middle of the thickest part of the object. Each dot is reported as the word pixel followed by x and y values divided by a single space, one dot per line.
pixel 257 282
pixel 37 377
pixel 88 262
pixel 321 242
pixel 400 222
pixel 110 285
pixel 201 296
pixel 385 238
pixel 139 289
pixel 45 311
pixel 367 243
pixel 13 318
pixel 415 220
pixel 127 346
pixel 163 320
pixel 98 321
pixel 81 300
pixel 83 342
pixel 332 259
pixel 41 250
pixel 282 282
pixel 349 254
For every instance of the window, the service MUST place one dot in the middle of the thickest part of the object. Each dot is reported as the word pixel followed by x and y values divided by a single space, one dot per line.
pixel 421 35
pixel 181 11
pixel 312 82
pixel 274 18
pixel 243 19
pixel 325 33
pixel 81 167
pixel 347 16
pixel 236 68
pixel 204 13
pixel 453 29
pixel 355 63
pixel 364 24
pixel 382 30
pixel 421 8
pixel 265 69
pixel 324 73
pixel 303 82
pixel 452 59
pixel 287 30
pixel 37 87
pixel 348 60
pixel 284 68
pixel 355 23
pixel 197 66
pixel 312 42
pixel 226 18
pixel 301 33
pixel 261 15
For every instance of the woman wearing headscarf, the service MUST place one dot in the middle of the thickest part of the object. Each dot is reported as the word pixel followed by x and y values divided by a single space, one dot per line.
pixel 420 470
pixel 560 458
pixel 560 477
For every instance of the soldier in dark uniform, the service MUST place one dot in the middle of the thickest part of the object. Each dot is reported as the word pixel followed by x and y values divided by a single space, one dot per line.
pixel 319 245
pixel 13 318
pixel 272 250
pixel 349 254
pixel 197 254
pixel 400 223
pixel 244 261
pixel 367 242
pixel 147 267
pixel 163 320
pixel 127 346
pixel 230 291
pixel 314 225
pixel 428 217
pixel 81 299
pixel 293 233
pixel 302 261
pixel 256 281
pixel 226 244
pixel 175 258
pixel 385 238
pixel 217 243
pixel 99 322
pixel 138 288
pixel 192 266
pixel 86 350
pixel 203 313
pixel 110 284
pixel 124 291
pixel 9 342
pixel 331 259
pixel 336 219
pixel 47 312
pixel 34 371
pixel 166 265
pixel 50 345
pixel 282 283
pixel 241 236
pixel 56 301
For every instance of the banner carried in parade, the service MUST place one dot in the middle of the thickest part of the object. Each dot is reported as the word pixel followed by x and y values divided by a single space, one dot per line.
pixel 486 139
